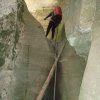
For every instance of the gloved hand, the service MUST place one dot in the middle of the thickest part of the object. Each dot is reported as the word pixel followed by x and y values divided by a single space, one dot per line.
pixel 44 18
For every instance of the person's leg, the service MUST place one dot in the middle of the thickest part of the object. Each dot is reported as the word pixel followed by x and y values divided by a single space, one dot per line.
pixel 49 27
pixel 53 30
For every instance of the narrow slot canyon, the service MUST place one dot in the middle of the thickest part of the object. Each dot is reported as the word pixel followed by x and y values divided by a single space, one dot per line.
pixel 27 55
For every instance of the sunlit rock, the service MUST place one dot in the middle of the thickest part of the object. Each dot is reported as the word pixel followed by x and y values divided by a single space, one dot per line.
pixel 39 4
pixel 78 17
pixel 9 36
pixel 90 89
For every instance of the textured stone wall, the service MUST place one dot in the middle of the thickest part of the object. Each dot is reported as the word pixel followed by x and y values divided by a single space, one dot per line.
pixel 39 4
pixel 6 7
pixel 10 29
pixel 90 89
pixel 26 56
pixel 78 16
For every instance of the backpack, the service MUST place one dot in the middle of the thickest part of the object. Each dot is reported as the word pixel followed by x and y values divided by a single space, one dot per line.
pixel 57 11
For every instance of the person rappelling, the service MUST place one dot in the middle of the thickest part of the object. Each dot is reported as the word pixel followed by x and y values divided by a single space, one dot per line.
pixel 56 17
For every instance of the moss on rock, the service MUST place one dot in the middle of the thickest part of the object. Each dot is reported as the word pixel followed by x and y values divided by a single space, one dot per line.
pixel 2 61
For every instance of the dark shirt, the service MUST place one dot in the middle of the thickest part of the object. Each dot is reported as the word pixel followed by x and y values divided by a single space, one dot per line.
pixel 55 18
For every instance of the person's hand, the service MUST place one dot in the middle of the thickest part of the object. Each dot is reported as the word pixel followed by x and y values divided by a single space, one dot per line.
pixel 44 18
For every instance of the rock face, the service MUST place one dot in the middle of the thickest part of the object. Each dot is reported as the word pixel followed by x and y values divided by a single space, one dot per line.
pixel 28 57
pixel 90 89
pixel 6 7
pixel 39 4
pixel 25 55
pixel 34 60
pixel 8 40
pixel 82 29
pixel 82 25
pixel 78 17
pixel 69 74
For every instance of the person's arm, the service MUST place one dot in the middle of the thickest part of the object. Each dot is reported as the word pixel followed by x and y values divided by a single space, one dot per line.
pixel 50 14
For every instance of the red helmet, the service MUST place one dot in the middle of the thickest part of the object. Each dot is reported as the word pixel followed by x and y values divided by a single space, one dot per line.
pixel 57 10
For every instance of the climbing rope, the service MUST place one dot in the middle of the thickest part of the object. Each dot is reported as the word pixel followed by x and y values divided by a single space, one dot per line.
pixel 49 77
pixel 55 79
pixel 55 73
